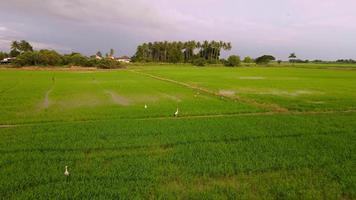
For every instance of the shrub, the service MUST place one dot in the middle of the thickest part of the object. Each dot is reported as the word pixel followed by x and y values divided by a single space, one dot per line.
pixel 199 62
pixel 107 64
pixel 248 59
pixel 233 61
pixel 91 62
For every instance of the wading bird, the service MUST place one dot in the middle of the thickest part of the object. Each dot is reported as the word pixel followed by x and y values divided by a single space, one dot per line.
pixel 176 113
pixel 145 106
pixel 66 172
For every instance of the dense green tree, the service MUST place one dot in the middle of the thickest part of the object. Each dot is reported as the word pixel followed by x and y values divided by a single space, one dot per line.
pixel 25 46
pixel 175 55
pixel 3 55
pixel 189 50
pixel 14 53
pixel 42 57
pixel 91 62
pixel 248 59
pixel 15 45
pixel 49 57
pixel 28 58
pixel 161 51
pixel 76 59
pixel 265 59
pixel 233 61
pixel 19 47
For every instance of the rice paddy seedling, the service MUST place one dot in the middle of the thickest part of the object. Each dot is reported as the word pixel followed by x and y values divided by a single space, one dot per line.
pixel 247 133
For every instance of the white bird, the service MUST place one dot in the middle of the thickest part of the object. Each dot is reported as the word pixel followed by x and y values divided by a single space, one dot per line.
pixel 145 106
pixel 176 113
pixel 66 172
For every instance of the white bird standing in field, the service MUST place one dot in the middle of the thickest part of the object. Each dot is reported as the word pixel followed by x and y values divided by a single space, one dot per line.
pixel 66 172
pixel 145 106
pixel 176 113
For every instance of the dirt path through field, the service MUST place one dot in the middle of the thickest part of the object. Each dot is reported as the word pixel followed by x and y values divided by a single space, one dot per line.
pixel 269 106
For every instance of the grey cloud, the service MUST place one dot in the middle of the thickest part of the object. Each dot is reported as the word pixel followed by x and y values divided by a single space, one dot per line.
pixel 253 26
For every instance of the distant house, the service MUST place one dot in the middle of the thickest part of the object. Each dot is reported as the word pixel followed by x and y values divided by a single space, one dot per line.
pixel 124 59
pixel 98 57
pixel 6 60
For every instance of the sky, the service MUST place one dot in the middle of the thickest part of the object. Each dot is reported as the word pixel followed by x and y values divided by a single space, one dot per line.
pixel 313 29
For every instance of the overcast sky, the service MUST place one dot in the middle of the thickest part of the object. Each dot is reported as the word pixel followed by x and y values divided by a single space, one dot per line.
pixel 313 29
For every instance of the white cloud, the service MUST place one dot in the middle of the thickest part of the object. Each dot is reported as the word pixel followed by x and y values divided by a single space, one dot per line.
pixel 2 28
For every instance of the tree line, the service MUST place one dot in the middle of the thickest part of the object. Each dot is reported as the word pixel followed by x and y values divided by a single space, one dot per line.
pixel 179 52
pixel 25 55
pixel 197 53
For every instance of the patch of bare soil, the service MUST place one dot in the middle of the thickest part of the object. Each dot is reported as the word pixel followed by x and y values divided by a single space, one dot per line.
pixel 171 97
pixel 292 94
pixel 146 98
pixel 227 92
pixel 117 99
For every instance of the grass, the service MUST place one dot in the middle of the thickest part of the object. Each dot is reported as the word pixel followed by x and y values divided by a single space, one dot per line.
pixel 86 96
pixel 295 89
pixel 223 145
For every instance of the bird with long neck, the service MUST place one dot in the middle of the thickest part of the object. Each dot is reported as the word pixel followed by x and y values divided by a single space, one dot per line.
pixel 176 113
pixel 66 172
